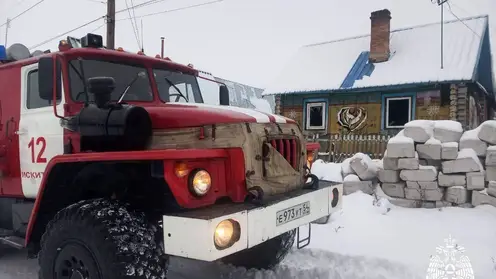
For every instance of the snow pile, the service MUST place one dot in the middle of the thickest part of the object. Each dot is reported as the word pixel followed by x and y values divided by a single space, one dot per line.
pixel 406 237
pixel 435 164
pixel 327 171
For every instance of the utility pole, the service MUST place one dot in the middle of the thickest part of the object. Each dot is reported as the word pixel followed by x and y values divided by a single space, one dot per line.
pixel 7 26
pixel 440 3
pixel 111 24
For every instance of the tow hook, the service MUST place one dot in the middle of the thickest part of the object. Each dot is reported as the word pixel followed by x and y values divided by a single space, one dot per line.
pixel 255 195
pixel 314 182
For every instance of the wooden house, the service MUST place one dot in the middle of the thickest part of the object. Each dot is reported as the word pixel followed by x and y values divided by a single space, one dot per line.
pixel 364 89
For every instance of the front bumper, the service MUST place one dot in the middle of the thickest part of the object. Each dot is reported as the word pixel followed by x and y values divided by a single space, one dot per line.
pixel 191 234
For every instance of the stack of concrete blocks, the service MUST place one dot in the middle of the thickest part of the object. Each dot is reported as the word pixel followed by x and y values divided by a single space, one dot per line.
pixel 359 174
pixel 435 164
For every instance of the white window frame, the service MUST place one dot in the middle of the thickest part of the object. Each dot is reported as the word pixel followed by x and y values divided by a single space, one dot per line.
pixel 310 105
pixel 387 110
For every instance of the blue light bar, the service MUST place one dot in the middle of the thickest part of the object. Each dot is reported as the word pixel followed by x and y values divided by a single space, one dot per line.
pixel 3 53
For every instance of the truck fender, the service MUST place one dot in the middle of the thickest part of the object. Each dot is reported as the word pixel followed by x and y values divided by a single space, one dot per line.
pixel 61 162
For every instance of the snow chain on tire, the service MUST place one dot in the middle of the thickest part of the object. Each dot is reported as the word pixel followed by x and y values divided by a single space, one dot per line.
pixel 123 244
pixel 266 255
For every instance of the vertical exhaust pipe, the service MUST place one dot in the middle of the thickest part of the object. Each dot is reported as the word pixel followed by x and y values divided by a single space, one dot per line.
pixel 162 39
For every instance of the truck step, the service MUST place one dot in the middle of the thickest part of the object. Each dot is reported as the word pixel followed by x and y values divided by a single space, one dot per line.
pixel 13 241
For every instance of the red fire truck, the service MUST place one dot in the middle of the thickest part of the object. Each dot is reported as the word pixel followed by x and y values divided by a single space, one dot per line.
pixel 111 163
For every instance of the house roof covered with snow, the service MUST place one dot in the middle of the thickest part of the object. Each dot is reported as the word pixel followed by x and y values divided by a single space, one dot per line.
pixel 415 58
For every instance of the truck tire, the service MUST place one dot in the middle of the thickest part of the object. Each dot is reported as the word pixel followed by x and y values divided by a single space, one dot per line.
pixel 265 255
pixel 101 239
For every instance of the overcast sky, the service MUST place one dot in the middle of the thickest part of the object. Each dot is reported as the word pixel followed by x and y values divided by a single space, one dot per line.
pixel 246 41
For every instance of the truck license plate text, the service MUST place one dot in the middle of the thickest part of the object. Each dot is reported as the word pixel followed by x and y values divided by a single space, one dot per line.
pixel 292 213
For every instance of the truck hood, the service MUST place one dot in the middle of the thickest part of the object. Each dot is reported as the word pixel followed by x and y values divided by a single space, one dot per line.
pixel 181 115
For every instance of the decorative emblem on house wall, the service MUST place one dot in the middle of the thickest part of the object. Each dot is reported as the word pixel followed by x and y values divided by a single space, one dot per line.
pixel 433 111
pixel 292 114
pixel 352 118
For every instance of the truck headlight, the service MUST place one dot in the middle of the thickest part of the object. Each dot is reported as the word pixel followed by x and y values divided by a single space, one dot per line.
pixel 200 182
pixel 226 234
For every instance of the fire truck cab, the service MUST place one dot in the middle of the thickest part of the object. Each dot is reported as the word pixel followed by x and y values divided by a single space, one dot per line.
pixel 110 162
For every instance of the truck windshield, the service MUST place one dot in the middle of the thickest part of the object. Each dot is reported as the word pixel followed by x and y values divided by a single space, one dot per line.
pixel 125 75
pixel 177 87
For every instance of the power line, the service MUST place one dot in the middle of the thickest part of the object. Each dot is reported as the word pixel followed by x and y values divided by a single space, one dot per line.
pixel 175 10
pixel 462 9
pixel 97 1
pixel 96 29
pixel 103 17
pixel 134 14
pixel 132 24
pixel 23 12
pixel 68 32
pixel 451 11
pixel 144 4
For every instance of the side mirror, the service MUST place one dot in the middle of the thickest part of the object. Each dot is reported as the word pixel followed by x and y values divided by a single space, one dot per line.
pixel 45 78
pixel 223 95
pixel 102 88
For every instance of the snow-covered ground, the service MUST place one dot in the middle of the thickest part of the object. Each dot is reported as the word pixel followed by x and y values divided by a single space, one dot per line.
pixel 367 239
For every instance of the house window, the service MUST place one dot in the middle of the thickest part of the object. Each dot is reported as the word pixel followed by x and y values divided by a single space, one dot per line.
pixel 398 111
pixel 316 115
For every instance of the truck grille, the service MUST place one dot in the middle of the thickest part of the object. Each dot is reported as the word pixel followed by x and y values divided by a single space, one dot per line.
pixel 287 148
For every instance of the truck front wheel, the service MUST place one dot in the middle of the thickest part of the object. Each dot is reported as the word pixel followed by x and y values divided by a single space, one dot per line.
pixel 100 239
pixel 265 255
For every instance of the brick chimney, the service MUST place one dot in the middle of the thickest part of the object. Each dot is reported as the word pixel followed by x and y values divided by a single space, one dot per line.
pixel 379 36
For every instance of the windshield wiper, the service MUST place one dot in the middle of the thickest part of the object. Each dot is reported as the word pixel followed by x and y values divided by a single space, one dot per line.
pixel 177 89
pixel 123 94
pixel 82 77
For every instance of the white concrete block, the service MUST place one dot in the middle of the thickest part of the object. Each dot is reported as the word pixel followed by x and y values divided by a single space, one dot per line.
pixel 400 146
pixel 475 180
pixel 491 188
pixel 396 190
pixel 487 131
pixel 405 202
pixel 412 184
pixel 491 156
pixel 389 176
pixel 364 167
pixel 426 195
pixel 428 204
pixel 350 187
pixel 480 198
pixel 346 168
pixel 429 151
pixel 490 173
pixel 408 163
pixel 461 165
pixel 469 139
pixel 429 185
pixel 448 130
pixel 449 180
pixel 457 195
pixel 430 162
pixel 449 150
pixel 422 184
pixel 424 173
pixel 390 163
pixel 419 130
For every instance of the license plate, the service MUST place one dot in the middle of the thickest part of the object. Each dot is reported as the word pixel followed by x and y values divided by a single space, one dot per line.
pixel 292 213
